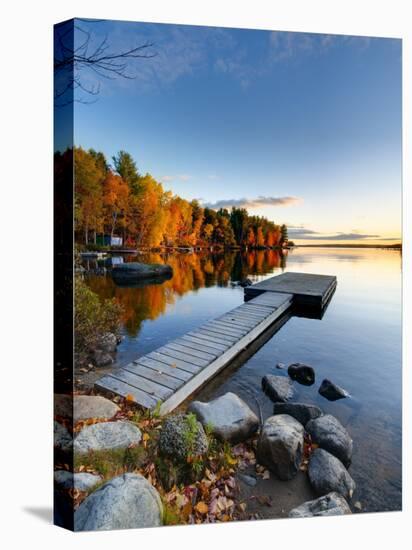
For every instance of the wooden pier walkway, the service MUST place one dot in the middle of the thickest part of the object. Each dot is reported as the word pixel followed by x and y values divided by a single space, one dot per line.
pixel 171 373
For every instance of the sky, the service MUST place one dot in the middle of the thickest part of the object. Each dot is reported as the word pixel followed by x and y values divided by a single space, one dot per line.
pixel 304 129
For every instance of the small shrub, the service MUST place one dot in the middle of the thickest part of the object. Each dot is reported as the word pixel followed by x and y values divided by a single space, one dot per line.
pixel 92 317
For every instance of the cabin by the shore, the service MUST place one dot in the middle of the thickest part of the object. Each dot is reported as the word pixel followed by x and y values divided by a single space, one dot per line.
pixel 109 240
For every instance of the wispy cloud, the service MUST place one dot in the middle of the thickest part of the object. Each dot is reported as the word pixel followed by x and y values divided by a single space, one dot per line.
pixel 175 178
pixel 300 232
pixel 253 203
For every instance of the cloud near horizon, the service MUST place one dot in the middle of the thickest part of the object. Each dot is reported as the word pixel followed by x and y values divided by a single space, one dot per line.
pixel 298 232
pixel 253 203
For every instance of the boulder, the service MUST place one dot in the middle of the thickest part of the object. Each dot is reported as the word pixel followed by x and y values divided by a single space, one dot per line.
pixel 125 502
pixel 102 358
pixel 303 412
pixel 280 445
pixel 228 417
pixel 302 373
pixel 81 481
pixel 278 388
pixel 181 436
pixel 331 391
pixel 107 436
pixel 63 440
pixel 133 272
pixel 332 504
pixel 108 342
pixel 328 474
pixel 330 435
pixel 86 407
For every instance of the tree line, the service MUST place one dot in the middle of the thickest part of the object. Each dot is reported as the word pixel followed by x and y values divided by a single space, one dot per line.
pixel 115 199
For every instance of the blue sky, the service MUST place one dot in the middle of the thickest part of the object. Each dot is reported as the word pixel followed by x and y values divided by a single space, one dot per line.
pixel 304 129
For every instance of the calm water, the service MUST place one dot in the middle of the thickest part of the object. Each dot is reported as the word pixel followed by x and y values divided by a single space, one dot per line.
pixel 357 344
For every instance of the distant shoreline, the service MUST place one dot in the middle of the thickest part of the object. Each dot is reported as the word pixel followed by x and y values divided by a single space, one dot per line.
pixel 397 246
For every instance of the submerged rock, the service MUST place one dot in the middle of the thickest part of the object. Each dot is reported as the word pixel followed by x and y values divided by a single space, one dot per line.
pixel 278 388
pixel 280 445
pixel 228 417
pixel 182 436
pixel 331 391
pixel 328 474
pixel 301 411
pixel 125 502
pixel 134 271
pixel 80 481
pixel 332 504
pixel 302 373
pixel 330 435
pixel 107 436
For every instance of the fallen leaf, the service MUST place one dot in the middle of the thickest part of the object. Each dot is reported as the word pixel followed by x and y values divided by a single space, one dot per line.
pixel 202 507
pixel 129 397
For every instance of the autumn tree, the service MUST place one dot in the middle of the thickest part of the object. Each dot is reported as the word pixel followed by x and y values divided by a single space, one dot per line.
pixel 126 167
pixel 115 201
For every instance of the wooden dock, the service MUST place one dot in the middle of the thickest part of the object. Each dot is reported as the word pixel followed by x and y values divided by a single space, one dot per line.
pixel 171 373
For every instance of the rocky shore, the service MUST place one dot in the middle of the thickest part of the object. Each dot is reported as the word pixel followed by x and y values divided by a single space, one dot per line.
pixel 212 462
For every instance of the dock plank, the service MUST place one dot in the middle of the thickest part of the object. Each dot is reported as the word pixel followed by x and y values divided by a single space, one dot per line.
pixel 136 381
pixel 207 343
pixel 166 350
pixel 152 375
pixel 176 372
pixel 193 352
pixel 174 361
pixel 108 383
pixel 198 345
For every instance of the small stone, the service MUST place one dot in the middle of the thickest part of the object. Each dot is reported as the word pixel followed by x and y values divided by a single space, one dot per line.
pixel 332 504
pixel 181 437
pixel 228 417
pixel 331 391
pixel 249 480
pixel 330 435
pixel 107 436
pixel 328 474
pixel 80 481
pixel 277 388
pixel 303 412
pixel 128 501
pixel 63 440
pixel 302 373
pixel 280 366
pixel 280 445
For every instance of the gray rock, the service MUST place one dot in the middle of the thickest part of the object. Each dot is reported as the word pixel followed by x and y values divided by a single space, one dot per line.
pixel 332 504
pixel 331 391
pixel 278 388
pixel 303 412
pixel 182 436
pixel 93 406
pixel 228 416
pixel 107 436
pixel 125 502
pixel 102 358
pixel 330 435
pixel 108 342
pixel 328 474
pixel 84 407
pixel 81 481
pixel 63 440
pixel 280 445
pixel 302 373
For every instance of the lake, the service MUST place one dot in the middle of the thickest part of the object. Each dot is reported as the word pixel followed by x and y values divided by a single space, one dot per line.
pixel 357 343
